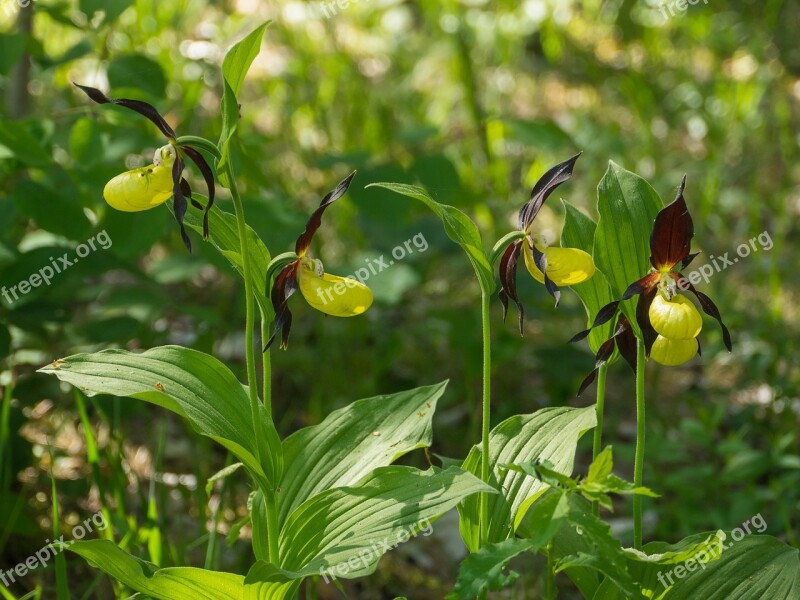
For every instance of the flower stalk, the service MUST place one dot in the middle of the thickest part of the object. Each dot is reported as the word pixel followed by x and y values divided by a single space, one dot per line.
pixel 487 411
pixel 597 442
pixel 638 469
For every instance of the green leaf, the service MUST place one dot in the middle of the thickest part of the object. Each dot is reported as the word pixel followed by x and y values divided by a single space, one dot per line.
pixel 348 529
pixel 234 70
pixel 628 206
pixel 139 72
pixel 230 123
pixel 579 232
pixel 483 570
pixel 224 236
pixel 26 148
pixel 756 566
pixel 221 474
pixel 353 441
pixel 604 553
pixel 190 383
pixel 181 582
pixel 548 434
pixel 459 228
pixel 601 466
pixel 12 45
pixel 239 58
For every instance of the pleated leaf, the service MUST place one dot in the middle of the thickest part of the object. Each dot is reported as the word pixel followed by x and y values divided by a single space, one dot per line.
pixel 348 529
pixel 549 434
pixel 354 440
pixel 190 383
pixel 578 232
pixel 628 206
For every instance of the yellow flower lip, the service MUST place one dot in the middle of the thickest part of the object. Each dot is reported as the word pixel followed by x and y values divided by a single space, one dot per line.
pixel 143 188
pixel 333 295
pixel 671 353
pixel 677 319
pixel 565 266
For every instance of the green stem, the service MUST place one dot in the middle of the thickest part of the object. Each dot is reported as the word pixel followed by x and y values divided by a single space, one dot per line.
pixel 250 308
pixel 487 408
pixel 550 577
pixel 252 382
pixel 266 365
pixel 597 446
pixel 272 527
pixel 638 469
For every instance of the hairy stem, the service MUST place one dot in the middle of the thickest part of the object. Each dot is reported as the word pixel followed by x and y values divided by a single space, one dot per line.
pixel 252 382
pixel 638 469
pixel 597 445
pixel 486 421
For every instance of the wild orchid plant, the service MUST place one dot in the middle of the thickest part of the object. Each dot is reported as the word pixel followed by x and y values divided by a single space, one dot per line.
pixel 328 494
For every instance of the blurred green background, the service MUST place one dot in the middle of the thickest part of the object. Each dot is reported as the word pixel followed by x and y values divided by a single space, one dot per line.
pixel 474 100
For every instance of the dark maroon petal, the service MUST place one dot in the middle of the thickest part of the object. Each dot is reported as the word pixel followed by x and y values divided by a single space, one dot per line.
pixel 284 287
pixel 688 260
pixel 707 305
pixel 304 241
pixel 645 283
pixel 649 334
pixel 541 263
pixel 179 203
pixel 543 188
pixel 508 281
pixel 626 341
pixel 671 240
pixel 143 108
pixel 603 355
pixel 187 192
pixel 604 315
pixel 208 175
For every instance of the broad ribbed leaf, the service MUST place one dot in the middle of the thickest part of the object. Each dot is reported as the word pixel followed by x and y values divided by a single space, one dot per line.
pixel 265 583
pixel 578 232
pixel 190 383
pixel 224 235
pixel 358 524
pixel 548 434
pixel 757 566
pixel 353 441
pixel 459 228
pixel 628 206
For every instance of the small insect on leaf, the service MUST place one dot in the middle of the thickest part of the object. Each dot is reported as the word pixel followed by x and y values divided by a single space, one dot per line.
pixel 159 386
pixel 57 363
pixel 376 433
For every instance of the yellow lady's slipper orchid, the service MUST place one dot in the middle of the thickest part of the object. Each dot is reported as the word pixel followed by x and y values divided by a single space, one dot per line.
pixel 669 323
pixel 143 188
pixel 676 319
pixel 551 266
pixel 671 352
pixel 331 294
pixel 565 266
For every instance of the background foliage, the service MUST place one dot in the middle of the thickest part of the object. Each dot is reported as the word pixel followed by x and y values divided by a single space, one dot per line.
pixel 473 100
